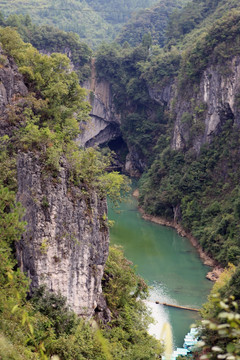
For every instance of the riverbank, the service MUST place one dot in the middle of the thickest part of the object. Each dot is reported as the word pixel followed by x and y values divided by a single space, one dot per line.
pixel 206 259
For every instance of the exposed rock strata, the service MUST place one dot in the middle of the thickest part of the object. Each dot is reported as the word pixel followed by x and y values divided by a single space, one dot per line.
pixel 199 110
pixel 66 242
pixel 104 123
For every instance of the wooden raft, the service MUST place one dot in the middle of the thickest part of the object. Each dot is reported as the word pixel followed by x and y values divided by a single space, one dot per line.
pixel 177 306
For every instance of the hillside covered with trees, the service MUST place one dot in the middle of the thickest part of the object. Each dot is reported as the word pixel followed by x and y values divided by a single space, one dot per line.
pixel 191 176
pixel 153 20
pixel 182 178
pixel 93 21
pixel 175 79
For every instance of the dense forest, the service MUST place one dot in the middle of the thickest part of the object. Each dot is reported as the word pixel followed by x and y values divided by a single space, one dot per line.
pixel 50 39
pixel 168 46
pixel 93 21
pixel 153 20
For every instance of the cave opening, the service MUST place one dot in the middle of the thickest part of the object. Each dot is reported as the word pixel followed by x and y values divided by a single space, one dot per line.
pixel 119 147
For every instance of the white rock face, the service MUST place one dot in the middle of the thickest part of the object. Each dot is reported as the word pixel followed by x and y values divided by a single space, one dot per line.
pixel 217 92
pixel 104 120
pixel 65 245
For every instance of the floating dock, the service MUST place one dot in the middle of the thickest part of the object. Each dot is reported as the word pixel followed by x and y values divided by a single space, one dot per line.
pixel 177 306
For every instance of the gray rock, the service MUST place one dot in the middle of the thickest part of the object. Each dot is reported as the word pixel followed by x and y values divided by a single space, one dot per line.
pixel 12 90
pixel 104 124
pixel 65 245
pixel 217 92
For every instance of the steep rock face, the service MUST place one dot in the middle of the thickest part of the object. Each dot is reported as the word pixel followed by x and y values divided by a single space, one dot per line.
pixel 104 124
pixel 200 110
pixel 65 245
pixel 12 89
pixel 213 104
pixel 162 96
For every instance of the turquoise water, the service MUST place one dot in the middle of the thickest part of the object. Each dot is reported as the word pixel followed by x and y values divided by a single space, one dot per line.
pixel 168 263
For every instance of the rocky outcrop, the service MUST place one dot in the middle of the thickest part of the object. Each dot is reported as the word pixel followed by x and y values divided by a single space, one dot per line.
pixel 12 89
pixel 213 104
pixel 104 124
pixel 200 110
pixel 163 95
pixel 12 84
pixel 65 245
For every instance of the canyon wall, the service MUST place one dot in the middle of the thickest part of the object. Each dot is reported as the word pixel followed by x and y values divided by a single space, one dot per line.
pixel 200 109
pixel 65 245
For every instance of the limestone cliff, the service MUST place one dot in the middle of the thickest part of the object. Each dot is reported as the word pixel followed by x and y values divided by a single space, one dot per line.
pixel 214 102
pixel 104 124
pixel 12 89
pixel 65 245
pixel 66 242
pixel 201 110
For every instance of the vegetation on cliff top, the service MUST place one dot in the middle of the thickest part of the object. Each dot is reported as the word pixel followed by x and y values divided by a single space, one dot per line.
pixel 49 39
pixel 153 20
pixel 48 117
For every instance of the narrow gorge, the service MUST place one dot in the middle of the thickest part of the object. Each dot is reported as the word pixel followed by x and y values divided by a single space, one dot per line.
pixel 159 105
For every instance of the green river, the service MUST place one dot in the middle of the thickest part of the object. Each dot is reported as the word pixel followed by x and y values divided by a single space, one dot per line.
pixel 168 263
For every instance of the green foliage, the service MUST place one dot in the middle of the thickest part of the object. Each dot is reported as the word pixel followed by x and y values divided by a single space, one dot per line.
pixel 89 168
pixel 54 307
pixel 73 16
pixel 48 117
pixel 199 34
pixel 194 185
pixel 7 164
pixel 10 215
pixel 153 20
pixel 217 45
pixel 221 335
pixel 93 21
pixel 50 39
pixel 142 119
pixel 51 76
pixel 124 291
pixel 161 67
pixel 195 18
pixel 220 327
pixel 15 324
